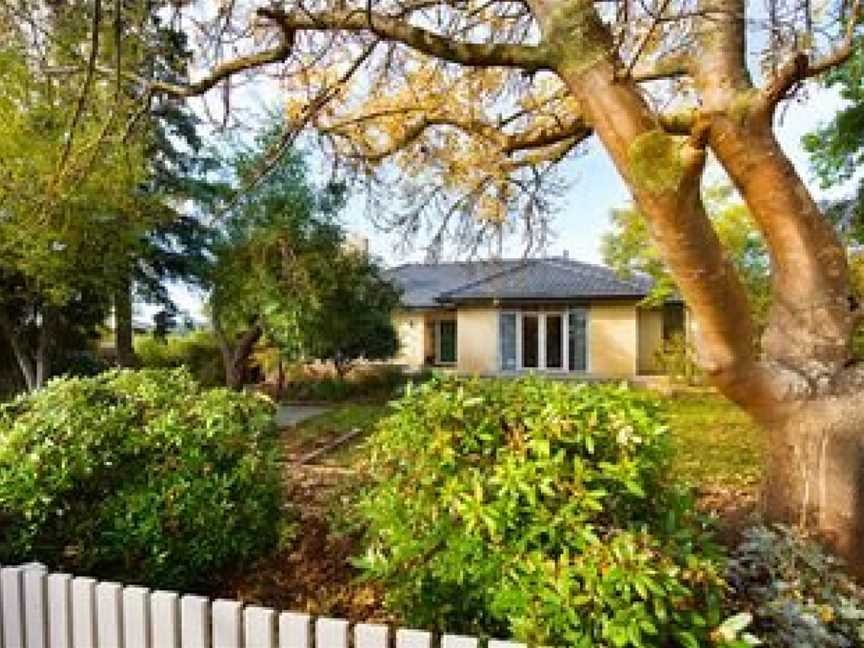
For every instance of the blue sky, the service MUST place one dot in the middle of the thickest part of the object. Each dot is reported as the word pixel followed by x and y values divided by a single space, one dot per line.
pixel 595 188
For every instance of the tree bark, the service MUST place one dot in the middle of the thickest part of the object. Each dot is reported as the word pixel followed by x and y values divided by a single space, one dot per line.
pixel 123 333
pixel 235 354
pixel 815 473
pixel 25 363
pixel 799 391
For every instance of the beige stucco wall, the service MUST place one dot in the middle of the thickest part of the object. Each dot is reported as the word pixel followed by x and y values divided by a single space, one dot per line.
pixel 414 338
pixel 477 340
pixel 612 339
pixel 650 338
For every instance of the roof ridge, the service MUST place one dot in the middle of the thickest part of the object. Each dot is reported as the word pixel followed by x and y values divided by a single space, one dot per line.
pixel 495 275
pixel 595 268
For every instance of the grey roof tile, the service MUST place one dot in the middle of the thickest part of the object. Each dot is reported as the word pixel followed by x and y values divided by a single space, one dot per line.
pixel 430 285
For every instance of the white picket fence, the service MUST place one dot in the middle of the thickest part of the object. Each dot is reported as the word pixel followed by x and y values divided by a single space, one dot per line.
pixel 42 610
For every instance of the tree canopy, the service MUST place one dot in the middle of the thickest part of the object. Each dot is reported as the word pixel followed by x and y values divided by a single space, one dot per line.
pixel 283 271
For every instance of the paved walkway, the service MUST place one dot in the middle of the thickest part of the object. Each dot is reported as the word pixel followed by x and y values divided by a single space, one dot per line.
pixel 291 415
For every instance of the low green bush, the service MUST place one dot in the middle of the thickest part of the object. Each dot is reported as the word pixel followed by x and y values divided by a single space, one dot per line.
pixel 537 509
pixel 138 475
pixel 198 351
pixel 372 383
pixel 794 592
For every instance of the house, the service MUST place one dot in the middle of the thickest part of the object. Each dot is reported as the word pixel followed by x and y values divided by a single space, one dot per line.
pixel 552 315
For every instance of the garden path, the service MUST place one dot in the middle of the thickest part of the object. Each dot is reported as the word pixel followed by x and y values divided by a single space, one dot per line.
pixel 291 415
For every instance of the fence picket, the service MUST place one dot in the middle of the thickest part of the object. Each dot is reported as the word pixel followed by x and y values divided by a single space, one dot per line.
pixel 295 630
pixel 413 639
pixel 259 627
pixel 367 635
pixel 11 593
pixel 42 610
pixel 227 627
pixel 458 641
pixel 331 633
pixel 60 611
pixel 109 615
pixel 35 606
pixel 164 620
pixel 136 617
pixel 195 622
pixel 83 613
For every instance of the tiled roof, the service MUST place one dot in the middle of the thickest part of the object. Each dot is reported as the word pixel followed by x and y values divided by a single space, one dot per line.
pixel 430 285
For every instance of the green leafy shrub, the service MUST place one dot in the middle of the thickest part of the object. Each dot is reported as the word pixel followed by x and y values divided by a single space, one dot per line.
pixel 138 475
pixel 198 351
pixel 675 358
pixel 537 509
pixel 796 593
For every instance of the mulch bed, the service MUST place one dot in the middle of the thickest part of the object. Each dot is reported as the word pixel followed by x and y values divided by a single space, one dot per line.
pixel 315 574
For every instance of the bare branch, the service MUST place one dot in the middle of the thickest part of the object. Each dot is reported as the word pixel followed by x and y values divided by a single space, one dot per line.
pixel 799 67
pixel 85 89
pixel 526 57
pixel 220 72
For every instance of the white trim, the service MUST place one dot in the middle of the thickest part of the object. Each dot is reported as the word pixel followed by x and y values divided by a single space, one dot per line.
pixel 541 340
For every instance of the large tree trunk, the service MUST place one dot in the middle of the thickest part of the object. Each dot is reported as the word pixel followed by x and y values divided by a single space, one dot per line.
pixel 815 473
pixel 123 333
pixel 805 389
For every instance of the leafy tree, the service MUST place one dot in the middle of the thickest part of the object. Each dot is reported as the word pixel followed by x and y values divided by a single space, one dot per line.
pixel 69 212
pixel 629 249
pixel 837 148
pixel 277 244
pixel 462 109
pixel 354 313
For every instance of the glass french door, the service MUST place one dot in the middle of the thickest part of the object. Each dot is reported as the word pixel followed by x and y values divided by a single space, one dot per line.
pixel 554 338
pixel 577 339
pixel 555 341
pixel 530 341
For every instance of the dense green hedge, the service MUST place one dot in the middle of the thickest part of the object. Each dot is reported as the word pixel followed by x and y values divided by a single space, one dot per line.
pixel 138 475
pixel 198 351
pixel 537 509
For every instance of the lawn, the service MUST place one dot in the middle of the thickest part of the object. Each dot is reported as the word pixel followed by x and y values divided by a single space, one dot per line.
pixel 716 444
pixel 321 430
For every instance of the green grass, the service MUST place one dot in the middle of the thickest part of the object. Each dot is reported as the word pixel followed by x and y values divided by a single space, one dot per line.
pixel 717 446
pixel 336 422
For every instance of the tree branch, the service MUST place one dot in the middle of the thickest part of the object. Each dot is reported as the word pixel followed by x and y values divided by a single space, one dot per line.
pixel 220 72
pixel 85 89
pixel 799 67
pixel 526 57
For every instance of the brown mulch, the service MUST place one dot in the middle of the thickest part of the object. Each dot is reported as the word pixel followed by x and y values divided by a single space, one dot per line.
pixel 734 508
pixel 314 574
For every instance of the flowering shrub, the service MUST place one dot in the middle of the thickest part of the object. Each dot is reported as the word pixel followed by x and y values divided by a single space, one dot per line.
pixel 537 509
pixel 137 475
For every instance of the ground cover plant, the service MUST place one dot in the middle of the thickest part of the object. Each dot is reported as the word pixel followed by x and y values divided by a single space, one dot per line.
pixel 142 476
pixel 537 509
